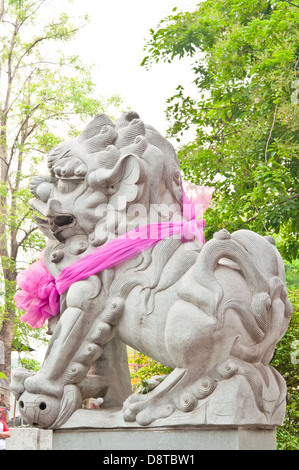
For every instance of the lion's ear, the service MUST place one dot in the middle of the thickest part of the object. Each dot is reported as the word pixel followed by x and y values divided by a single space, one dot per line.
pixel 121 183
pixel 126 190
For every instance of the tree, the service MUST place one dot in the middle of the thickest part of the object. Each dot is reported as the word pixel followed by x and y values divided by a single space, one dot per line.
pixel 43 96
pixel 246 62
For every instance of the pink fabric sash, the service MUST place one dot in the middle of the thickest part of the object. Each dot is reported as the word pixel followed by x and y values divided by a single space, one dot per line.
pixel 125 247
pixel 39 296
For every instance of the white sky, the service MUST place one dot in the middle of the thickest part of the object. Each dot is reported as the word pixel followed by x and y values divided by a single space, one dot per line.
pixel 114 42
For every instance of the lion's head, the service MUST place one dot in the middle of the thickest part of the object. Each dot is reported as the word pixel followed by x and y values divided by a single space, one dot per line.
pixel 109 168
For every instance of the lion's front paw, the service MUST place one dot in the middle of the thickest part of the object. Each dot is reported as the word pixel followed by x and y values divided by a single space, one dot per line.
pixel 145 410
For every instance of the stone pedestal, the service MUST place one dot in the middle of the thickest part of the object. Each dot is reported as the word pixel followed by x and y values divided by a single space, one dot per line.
pixel 29 439
pixel 165 439
pixel 103 430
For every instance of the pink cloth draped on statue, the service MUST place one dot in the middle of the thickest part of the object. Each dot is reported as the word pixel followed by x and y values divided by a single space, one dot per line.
pixel 40 293
pixel 38 296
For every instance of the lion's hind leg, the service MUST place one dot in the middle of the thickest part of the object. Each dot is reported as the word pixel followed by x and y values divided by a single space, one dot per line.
pixel 179 392
pixel 147 408
pixel 189 340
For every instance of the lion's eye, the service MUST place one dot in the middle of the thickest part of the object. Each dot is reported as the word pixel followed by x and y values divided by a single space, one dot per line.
pixel 111 189
pixel 81 170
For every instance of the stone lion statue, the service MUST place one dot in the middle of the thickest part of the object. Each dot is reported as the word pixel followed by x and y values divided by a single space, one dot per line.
pixel 213 311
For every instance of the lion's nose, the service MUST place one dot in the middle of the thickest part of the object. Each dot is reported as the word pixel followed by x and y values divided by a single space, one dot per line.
pixel 39 410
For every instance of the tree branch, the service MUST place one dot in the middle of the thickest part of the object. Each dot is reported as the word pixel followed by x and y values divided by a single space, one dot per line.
pixel 39 4
pixel 251 219
pixel 278 203
pixel 21 90
pixel 4 161
pixel 288 199
pixel 271 130
pixel 290 3
pixel 20 243
pixel 9 69
pixel 38 40
pixel 23 125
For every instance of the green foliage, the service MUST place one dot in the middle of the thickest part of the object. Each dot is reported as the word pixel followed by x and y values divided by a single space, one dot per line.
pixel 246 113
pixel 146 386
pixel 148 368
pixel 30 364
pixel 286 360
pixel 27 335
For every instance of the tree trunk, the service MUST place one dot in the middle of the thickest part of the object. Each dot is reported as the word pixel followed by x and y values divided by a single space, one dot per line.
pixel 6 339
pixel 7 333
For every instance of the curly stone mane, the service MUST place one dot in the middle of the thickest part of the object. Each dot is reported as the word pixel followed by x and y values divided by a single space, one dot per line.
pixel 97 156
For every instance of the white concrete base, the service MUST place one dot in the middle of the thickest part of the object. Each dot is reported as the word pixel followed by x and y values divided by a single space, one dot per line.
pixel 29 439
pixel 156 439
pixel 115 435
pixel 164 439
pixel 107 430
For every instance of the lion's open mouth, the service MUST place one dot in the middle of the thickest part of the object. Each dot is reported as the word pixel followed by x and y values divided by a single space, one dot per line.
pixel 55 225
pixel 62 220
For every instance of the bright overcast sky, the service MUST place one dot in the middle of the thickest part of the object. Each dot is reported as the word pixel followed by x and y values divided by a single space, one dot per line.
pixel 114 42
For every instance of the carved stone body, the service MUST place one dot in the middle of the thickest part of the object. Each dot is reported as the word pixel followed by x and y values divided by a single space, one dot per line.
pixel 214 312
